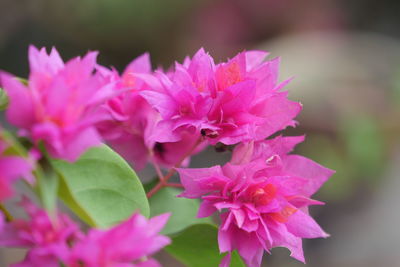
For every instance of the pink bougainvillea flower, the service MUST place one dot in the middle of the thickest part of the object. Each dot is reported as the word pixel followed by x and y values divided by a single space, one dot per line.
pixel 59 104
pixel 46 239
pixel 231 102
pixel 12 168
pixel 263 196
pixel 128 244
pixel 132 121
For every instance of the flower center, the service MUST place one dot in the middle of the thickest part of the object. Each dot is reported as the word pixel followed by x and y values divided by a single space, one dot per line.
pixel 263 195
pixel 129 80
pixel 228 75
pixel 283 215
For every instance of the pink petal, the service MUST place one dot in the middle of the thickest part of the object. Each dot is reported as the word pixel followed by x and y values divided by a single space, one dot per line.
pixel 161 102
pixel 249 248
pixel 224 241
pixel 242 153
pixel 206 209
pixel 158 222
pixel 302 225
pixel 190 177
pixel 254 58
pixel 304 167
pixel 82 141
pixel 141 64
pixel 283 238
pixel 278 113
pixel 20 111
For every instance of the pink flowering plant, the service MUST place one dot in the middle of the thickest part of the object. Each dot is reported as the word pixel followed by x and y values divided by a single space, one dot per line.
pixel 82 130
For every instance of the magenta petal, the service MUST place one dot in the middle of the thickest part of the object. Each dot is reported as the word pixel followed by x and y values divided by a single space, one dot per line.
pixel 249 248
pixel 224 241
pixel 278 112
pixel 267 76
pixel 243 153
pixel 161 102
pixel 14 166
pixel 283 238
pixel 302 201
pixel 158 222
pixel 304 167
pixel 239 217
pixel 241 98
pixel 20 111
pixel 40 62
pixel 201 68
pixel 163 133
pixel 280 145
pixel 302 225
pixel 254 58
pixel 58 93
pixel 141 64
pixel 190 180
pixel 250 225
pixel 51 135
pixel 85 139
pixel 206 209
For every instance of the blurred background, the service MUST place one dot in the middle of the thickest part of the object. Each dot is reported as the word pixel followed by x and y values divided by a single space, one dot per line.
pixel 344 55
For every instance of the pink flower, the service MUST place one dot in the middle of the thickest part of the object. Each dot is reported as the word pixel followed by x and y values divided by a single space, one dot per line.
pixel 263 201
pixel 59 104
pixel 47 240
pixel 12 168
pixel 127 244
pixel 231 102
pixel 132 121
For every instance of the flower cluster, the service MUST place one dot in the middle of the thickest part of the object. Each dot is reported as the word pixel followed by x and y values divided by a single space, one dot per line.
pixel 163 118
pixel 52 240
pixel 46 239
pixel 59 104
pixel 127 244
pixel 263 195
pixel 132 126
pixel 231 102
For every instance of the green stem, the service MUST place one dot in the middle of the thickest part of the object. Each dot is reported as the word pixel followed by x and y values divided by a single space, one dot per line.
pixel 163 182
pixel 6 213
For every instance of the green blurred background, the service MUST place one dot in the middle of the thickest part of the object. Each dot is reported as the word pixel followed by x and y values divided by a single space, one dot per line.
pixel 344 55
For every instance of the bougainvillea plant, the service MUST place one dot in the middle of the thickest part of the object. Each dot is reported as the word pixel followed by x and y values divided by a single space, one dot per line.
pixel 82 129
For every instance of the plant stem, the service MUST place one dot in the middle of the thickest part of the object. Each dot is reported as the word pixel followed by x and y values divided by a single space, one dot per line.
pixel 6 213
pixel 154 190
pixel 173 170
pixel 163 182
pixel 174 185
pixel 157 168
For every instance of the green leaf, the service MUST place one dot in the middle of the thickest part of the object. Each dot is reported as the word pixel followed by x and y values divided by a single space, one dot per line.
pixel 197 247
pixel 3 99
pixel 101 188
pixel 47 186
pixel 183 210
